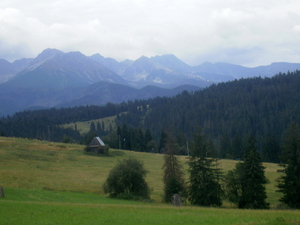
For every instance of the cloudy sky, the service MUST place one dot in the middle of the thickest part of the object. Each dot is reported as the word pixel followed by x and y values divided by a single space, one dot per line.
pixel 244 32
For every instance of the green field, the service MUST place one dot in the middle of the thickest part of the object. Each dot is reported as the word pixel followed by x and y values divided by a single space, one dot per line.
pixel 53 183
pixel 84 127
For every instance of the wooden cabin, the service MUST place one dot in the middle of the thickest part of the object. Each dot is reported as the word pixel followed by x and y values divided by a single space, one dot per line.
pixel 96 146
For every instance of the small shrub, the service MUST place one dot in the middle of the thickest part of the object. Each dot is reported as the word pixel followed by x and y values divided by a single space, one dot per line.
pixel 127 180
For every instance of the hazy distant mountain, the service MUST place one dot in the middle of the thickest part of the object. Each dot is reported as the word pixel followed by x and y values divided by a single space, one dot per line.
pixel 55 69
pixel 162 71
pixel 102 92
pixel 172 62
pixel 275 68
pixel 6 70
pixel 55 78
pixel 22 64
pixel 141 68
pixel 169 71
pixel 221 72
pixel 112 64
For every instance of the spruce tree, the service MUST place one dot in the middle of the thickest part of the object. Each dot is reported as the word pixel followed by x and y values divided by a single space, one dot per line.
pixel 246 183
pixel 173 175
pixel 162 141
pixel 289 182
pixel 204 188
pixel 92 127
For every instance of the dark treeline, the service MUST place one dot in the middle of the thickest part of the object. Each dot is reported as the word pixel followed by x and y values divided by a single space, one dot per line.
pixel 226 112
pixel 44 124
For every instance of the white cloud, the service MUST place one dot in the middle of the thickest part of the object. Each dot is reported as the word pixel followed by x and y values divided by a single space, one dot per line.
pixel 235 31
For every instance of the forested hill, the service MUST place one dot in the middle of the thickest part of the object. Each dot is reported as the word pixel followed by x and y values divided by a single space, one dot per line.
pixel 227 112
pixel 259 105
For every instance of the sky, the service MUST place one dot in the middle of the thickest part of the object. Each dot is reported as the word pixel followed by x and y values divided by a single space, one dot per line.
pixel 243 32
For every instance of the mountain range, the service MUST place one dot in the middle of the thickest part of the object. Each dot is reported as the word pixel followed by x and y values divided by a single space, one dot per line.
pixel 58 79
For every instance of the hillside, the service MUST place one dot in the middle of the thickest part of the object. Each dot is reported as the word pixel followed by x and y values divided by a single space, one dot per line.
pixel 64 167
pixel 227 111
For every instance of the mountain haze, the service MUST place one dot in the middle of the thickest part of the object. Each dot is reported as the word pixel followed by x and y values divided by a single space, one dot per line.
pixel 55 69
pixel 172 62
pixel 7 70
pixel 112 64
pixel 55 78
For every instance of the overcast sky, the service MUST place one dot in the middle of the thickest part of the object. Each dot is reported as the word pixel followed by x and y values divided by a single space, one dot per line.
pixel 244 32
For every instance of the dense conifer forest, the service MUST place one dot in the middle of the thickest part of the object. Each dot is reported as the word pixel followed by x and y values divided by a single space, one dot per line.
pixel 226 112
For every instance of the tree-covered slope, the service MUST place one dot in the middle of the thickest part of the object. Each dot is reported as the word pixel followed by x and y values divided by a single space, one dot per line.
pixel 227 112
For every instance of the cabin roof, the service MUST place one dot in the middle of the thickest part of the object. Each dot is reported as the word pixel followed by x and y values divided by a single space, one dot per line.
pixel 96 142
pixel 100 141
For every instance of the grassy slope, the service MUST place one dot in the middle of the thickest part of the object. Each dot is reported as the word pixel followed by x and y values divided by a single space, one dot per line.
pixel 55 166
pixel 30 169
pixel 84 127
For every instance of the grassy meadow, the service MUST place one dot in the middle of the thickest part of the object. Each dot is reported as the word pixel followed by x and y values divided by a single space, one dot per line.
pixel 54 183
pixel 84 127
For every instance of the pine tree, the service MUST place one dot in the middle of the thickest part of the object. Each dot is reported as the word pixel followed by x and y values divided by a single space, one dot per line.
pixel 173 175
pixel 289 183
pixel 204 187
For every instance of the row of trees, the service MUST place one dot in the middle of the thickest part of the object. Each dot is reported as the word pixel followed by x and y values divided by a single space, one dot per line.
pixel 243 186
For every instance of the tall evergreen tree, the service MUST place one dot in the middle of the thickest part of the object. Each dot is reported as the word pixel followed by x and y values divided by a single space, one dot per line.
pixel 98 127
pixel 148 140
pixel 289 182
pixel 92 127
pixel 162 141
pixel 204 187
pixel 246 183
pixel 173 175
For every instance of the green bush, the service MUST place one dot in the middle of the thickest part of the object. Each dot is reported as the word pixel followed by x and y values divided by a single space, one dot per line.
pixel 127 180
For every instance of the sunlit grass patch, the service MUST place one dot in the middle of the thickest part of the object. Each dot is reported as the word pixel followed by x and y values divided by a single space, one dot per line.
pixel 84 127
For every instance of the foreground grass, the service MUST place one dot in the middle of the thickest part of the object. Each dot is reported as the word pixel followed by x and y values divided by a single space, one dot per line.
pixel 48 207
